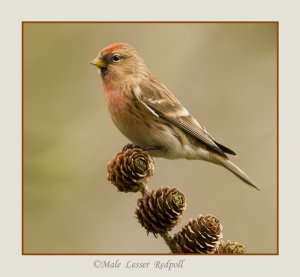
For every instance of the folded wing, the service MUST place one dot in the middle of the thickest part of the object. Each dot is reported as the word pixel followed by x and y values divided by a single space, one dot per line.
pixel 168 107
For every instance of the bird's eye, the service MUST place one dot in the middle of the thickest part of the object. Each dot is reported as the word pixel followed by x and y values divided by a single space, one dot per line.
pixel 116 57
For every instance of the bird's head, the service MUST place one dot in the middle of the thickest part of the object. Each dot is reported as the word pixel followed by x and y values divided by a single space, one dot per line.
pixel 118 62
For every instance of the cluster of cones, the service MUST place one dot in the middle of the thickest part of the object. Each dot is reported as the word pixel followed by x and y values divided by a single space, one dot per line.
pixel 158 211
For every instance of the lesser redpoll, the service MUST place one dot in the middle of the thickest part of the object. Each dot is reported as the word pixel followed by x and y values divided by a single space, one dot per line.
pixel 149 115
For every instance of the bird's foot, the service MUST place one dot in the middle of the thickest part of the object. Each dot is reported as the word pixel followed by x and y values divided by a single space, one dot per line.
pixel 149 148
pixel 133 145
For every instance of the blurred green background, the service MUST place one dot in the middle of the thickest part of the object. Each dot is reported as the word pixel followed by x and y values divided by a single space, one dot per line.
pixel 225 75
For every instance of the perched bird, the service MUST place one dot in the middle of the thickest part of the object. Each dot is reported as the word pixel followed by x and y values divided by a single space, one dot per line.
pixel 149 115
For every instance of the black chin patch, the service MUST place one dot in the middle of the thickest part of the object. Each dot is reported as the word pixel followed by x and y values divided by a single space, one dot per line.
pixel 104 70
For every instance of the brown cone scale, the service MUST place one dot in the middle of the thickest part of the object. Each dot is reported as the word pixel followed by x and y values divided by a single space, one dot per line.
pixel 160 210
pixel 200 235
pixel 230 248
pixel 130 169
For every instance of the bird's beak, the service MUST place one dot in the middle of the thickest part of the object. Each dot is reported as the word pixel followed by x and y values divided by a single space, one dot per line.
pixel 98 62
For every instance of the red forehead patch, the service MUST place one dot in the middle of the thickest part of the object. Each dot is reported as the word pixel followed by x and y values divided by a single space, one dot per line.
pixel 112 47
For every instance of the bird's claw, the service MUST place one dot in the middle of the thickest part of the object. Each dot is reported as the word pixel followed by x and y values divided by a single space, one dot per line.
pixel 133 145
pixel 149 148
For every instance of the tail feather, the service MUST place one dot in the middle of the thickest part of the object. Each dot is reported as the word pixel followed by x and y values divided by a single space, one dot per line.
pixel 239 173
pixel 235 170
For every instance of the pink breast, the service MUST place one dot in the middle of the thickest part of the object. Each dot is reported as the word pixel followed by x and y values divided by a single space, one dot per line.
pixel 116 102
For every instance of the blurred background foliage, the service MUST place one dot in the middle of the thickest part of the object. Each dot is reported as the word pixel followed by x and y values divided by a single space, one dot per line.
pixel 225 74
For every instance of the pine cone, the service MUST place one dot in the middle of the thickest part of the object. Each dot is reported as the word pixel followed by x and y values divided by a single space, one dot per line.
pixel 233 248
pixel 130 169
pixel 200 235
pixel 160 210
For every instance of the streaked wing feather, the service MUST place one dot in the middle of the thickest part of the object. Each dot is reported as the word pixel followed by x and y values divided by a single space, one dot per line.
pixel 174 112
pixel 186 123
pixel 225 148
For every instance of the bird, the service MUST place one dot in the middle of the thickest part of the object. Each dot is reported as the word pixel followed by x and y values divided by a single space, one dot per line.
pixel 150 116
